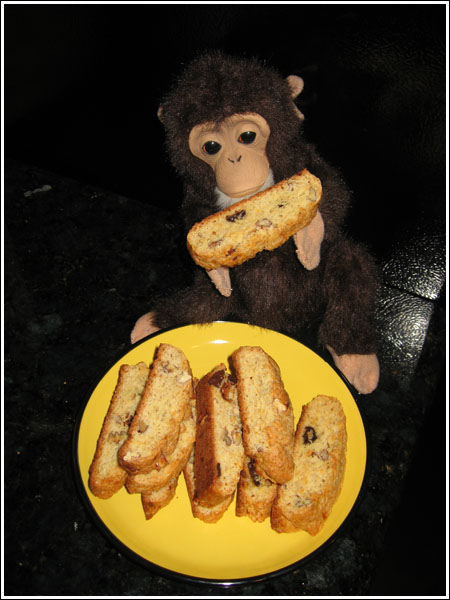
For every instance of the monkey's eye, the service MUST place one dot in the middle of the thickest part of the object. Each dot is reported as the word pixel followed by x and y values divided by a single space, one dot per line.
pixel 247 137
pixel 211 147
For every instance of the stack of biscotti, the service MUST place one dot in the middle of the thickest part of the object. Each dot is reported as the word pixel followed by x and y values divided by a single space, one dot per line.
pixel 168 467
pixel 268 431
pixel 231 434
pixel 263 222
pixel 213 474
pixel 162 433
pixel 306 500
pixel 165 403
pixel 149 431
pixel 266 414
pixel 106 476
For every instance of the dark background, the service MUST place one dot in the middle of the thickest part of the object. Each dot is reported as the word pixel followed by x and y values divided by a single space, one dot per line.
pixel 83 84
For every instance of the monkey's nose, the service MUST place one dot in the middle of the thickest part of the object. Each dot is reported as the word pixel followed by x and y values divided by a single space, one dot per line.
pixel 237 160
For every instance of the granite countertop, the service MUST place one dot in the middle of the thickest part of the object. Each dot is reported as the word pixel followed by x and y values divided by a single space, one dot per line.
pixel 79 270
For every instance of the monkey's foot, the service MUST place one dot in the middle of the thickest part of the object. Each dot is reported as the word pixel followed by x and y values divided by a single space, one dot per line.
pixel 144 326
pixel 308 242
pixel 361 370
pixel 221 279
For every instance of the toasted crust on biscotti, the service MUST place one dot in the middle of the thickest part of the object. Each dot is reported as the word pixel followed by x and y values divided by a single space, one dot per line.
pixel 208 515
pixel 153 502
pixel 305 502
pixel 266 414
pixel 263 222
pixel 255 495
pixel 155 428
pixel 219 452
pixel 106 476
pixel 171 466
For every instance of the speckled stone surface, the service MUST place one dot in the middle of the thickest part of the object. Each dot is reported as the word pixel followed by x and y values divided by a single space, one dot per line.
pixel 81 264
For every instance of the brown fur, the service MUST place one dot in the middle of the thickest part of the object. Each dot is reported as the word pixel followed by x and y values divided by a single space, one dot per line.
pixel 272 290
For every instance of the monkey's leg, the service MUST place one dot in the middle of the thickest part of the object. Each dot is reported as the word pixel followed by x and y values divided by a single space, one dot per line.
pixel 200 303
pixel 143 327
pixel 347 330
pixel 361 370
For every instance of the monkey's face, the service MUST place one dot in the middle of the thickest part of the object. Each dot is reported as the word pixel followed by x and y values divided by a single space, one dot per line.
pixel 236 151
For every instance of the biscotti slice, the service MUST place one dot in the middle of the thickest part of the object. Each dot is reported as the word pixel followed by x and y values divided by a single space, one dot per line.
pixel 266 413
pixel 106 476
pixel 165 401
pixel 255 495
pixel 263 222
pixel 170 466
pixel 219 452
pixel 305 502
pixel 153 502
pixel 208 515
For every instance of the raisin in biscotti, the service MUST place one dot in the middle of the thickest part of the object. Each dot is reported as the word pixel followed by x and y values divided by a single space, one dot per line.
pixel 106 476
pixel 255 495
pixel 154 501
pixel 165 402
pixel 219 452
pixel 266 414
pixel 208 515
pixel 168 467
pixel 320 453
pixel 263 222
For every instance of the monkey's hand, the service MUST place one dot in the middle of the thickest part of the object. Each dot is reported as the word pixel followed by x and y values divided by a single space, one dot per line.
pixel 221 279
pixel 308 241
pixel 144 326
pixel 361 370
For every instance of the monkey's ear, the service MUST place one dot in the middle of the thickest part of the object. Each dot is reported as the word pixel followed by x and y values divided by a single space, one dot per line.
pixel 160 113
pixel 296 85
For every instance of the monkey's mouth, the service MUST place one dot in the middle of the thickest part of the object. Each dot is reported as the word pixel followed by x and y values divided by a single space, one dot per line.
pixel 251 191
pixel 247 193
pixel 223 200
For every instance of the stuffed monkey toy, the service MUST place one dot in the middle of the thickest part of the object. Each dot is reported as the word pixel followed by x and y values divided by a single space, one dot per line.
pixel 233 130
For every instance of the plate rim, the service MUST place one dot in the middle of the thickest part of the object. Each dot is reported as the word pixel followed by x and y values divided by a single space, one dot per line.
pixel 184 577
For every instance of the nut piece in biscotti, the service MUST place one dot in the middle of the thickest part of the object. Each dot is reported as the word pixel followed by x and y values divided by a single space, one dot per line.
pixel 305 502
pixel 167 467
pixel 106 476
pixel 266 414
pixel 219 452
pixel 155 429
pixel 154 501
pixel 208 515
pixel 263 222
pixel 255 495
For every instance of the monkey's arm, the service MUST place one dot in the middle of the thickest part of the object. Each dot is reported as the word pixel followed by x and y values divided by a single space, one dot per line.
pixel 308 242
pixel 221 279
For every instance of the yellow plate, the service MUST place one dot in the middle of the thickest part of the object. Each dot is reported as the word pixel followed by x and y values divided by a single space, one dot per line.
pixel 235 549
